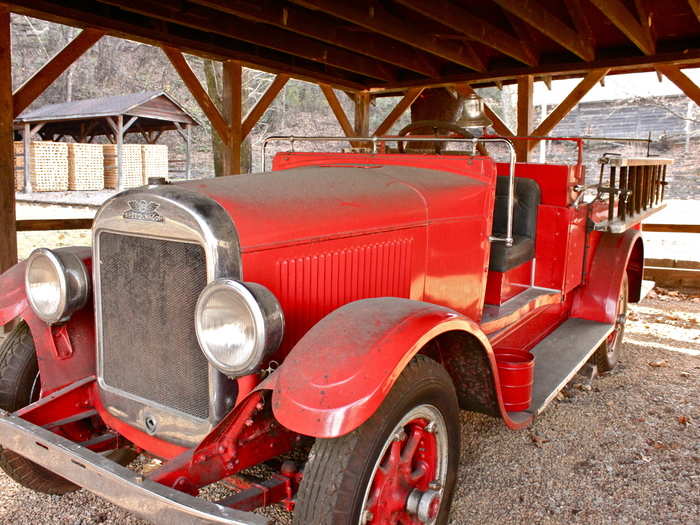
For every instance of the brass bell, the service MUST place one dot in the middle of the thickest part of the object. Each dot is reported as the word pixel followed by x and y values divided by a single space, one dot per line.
pixel 473 115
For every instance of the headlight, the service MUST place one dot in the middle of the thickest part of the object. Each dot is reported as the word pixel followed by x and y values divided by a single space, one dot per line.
pixel 56 283
pixel 238 325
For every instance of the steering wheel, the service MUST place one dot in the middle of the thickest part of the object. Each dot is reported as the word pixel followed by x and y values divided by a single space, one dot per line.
pixel 435 125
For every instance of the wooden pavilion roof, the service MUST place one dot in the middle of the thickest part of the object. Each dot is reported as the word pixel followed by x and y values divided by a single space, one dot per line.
pixel 393 44
pixel 150 111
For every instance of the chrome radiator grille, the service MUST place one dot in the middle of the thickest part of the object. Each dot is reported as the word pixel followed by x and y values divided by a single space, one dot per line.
pixel 149 288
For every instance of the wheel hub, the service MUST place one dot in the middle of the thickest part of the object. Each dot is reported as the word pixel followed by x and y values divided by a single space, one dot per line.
pixel 406 487
pixel 424 505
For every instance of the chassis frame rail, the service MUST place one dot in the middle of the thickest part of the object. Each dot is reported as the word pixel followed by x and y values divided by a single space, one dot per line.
pixel 119 485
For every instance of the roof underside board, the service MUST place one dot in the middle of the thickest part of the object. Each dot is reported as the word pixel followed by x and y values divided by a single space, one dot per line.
pixel 392 44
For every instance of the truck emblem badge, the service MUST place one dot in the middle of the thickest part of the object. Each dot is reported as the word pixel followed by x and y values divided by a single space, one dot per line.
pixel 143 210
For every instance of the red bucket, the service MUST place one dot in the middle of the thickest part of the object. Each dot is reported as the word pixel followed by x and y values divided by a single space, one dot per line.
pixel 516 372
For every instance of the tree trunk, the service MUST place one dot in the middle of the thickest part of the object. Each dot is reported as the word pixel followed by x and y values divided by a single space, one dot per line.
pixel 217 146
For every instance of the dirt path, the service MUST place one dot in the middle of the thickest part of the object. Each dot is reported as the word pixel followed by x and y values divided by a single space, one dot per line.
pixel 624 450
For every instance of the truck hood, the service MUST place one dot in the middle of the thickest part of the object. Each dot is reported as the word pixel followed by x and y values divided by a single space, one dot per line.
pixel 313 203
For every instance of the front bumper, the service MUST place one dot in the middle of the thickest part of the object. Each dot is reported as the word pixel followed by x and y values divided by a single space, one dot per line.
pixel 119 485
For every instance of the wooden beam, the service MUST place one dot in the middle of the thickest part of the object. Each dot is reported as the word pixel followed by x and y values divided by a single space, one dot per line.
pixel 578 16
pixel 687 86
pixel 132 26
pixel 400 108
pixel 695 6
pixel 671 228
pixel 526 113
pixel 377 19
pixel 573 98
pixel 8 232
pixel 497 123
pixel 183 69
pixel 463 21
pixel 362 103
pixel 220 23
pixel 337 109
pixel 61 61
pixel 41 225
pixel 538 17
pixel 626 22
pixel 232 94
pixel 259 109
pixel 326 29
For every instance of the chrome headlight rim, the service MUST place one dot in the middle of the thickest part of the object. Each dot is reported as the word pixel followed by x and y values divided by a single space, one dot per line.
pixel 266 316
pixel 72 280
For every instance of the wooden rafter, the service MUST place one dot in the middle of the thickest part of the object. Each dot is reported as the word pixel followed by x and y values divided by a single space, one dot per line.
pixel 183 69
pixel 695 6
pixel 380 21
pixel 685 84
pixel 223 24
pixel 39 81
pixel 583 27
pixel 259 109
pixel 626 22
pixel 461 20
pixel 200 43
pixel 300 21
pixel 497 123
pixel 400 108
pixel 569 102
pixel 549 25
pixel 337 109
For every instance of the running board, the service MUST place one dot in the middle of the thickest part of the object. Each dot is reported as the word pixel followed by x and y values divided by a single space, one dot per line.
pixel 561 354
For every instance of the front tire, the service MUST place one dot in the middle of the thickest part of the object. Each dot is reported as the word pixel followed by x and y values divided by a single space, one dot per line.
pixel 399 467
pixel 19 386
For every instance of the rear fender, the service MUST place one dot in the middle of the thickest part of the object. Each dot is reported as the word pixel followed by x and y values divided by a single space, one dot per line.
pixel 339 373
pixel 65 353
pixel 615 256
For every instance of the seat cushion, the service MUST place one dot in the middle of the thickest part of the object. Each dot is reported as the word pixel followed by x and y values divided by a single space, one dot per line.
pixel 527 199
pixel 505 258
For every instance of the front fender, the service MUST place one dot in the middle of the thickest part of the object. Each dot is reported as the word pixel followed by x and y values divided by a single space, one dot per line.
pixel 338 374
pixel 65 353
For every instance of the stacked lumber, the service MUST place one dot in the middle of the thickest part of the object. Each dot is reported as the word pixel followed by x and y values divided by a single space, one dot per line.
pixel 85 167
pixel 155 161
pixel 132 168
pixel 49 166
pixel 19 165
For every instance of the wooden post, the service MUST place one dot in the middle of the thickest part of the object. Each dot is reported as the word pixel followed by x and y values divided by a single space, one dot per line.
pixel 233 100
pixel 525 116
pixel 188 151
pixel 27 146
pixel 120 157
pixel 8 232
pixel 362 101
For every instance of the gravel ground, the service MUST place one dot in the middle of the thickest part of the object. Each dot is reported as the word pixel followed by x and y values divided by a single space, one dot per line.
pixel 623 449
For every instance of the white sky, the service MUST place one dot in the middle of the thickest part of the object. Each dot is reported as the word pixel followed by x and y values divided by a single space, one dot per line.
pixel 616 86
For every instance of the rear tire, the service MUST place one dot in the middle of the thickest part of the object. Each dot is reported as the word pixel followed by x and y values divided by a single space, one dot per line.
pixel 342 475
pixel 19 386
pixel 608 353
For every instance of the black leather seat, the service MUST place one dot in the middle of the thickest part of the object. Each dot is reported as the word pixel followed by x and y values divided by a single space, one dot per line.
pixel 527 198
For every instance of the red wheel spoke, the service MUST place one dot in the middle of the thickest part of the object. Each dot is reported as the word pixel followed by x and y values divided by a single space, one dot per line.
pixel 412 443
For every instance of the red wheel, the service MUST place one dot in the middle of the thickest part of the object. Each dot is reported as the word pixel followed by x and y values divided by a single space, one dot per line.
pixel 406 486
pixel 608 354
pixel 398 468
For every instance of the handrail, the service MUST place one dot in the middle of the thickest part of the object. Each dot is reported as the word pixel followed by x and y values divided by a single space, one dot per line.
pixel 508 239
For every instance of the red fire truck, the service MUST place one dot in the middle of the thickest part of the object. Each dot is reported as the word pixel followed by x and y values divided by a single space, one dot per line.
pixel 323 322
